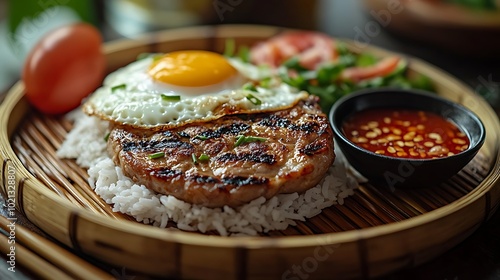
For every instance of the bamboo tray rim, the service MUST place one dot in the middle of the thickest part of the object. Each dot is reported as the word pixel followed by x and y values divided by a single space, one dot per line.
pixel 16 95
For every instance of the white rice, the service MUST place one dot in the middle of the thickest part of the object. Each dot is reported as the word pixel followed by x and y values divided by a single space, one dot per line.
pixel 85 142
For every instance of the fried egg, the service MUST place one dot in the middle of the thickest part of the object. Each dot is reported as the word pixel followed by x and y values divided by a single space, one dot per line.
pixel 173 89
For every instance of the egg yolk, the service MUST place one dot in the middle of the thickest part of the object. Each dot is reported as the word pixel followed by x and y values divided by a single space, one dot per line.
pixel 191 68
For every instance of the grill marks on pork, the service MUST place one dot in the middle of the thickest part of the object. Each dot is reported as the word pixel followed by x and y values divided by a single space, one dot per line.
pixel 280 122
pixel 295 156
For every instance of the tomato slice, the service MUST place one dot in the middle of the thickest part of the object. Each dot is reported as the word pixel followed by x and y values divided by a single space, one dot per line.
pixel 311 48
pixel 63 68
pixel 381 69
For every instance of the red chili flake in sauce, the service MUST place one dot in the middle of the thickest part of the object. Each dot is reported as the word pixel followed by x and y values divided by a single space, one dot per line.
pixel 405 133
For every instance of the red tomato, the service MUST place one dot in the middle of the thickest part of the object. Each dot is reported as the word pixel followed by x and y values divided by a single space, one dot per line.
pixel 63 68
pixel 311 48
pixel 381 69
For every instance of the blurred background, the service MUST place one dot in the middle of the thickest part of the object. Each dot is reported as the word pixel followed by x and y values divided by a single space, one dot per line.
pixel 460 36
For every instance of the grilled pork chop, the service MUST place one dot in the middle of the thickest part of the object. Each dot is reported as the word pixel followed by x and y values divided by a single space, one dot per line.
pixel 204 163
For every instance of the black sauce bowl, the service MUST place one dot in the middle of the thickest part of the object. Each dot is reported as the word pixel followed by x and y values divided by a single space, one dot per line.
pixel 388 171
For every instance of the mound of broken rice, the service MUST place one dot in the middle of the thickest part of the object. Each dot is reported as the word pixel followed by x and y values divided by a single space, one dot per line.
pixel 85 143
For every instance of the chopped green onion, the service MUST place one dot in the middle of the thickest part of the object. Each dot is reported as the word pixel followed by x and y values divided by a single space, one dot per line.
pixel 195 161
pixel 203 157
pixel 239 140
pixel 157 57
pixel 201 137
pixel 229 47
pixel 170 97
pixel 242 139
pixel 365 59
pixel 342 48
pixel 106 137
pixel 266 82
pixel 122 86
pixel 156 155
pixel 143 56
pixel 250 87
pixel 253 99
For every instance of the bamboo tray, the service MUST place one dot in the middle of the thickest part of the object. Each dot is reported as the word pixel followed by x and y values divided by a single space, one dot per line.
pixel 375 232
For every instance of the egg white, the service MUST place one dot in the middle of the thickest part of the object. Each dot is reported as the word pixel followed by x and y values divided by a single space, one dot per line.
pixel 140 103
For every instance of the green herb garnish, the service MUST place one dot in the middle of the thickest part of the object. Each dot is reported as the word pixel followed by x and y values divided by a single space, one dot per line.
pixel 170 97
pixel 329 73
pixel 242 139
pixel 106 137
pixel 421 82
pixel 230 51
pixel 250 87
pixel 239 140
pixel 365 59
pixel 253 99
pixel 229 48
pixel 143 56
pixel 156 155
pixel 294 63
pixel 195 160
pixel 326 81
pixel 266 82
pixel 115 88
